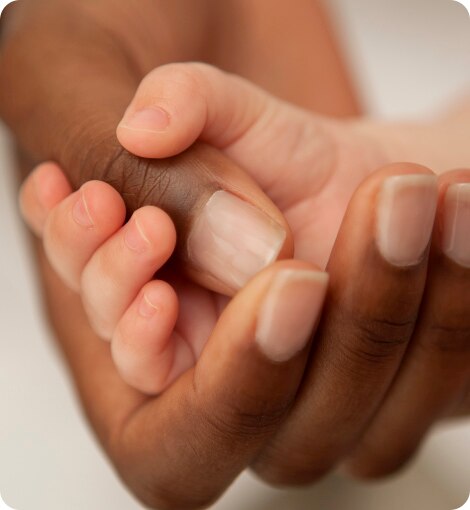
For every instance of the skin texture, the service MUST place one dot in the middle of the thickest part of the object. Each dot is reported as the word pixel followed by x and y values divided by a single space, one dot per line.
pixel 251 425
pixel 366 352
pixel 377 317
pixel 78 38
pixel 311 169
pixel 49 28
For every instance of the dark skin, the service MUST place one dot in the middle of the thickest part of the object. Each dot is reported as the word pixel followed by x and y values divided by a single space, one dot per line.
pixel 109 85
pixel 246 411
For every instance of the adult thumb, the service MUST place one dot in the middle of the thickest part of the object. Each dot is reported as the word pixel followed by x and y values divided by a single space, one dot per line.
pixel 66 108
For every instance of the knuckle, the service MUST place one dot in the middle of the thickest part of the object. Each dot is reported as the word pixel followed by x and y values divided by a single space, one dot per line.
pixel 244 420
pixel 159 498
pixel 241 415
pixel 378 340
pixel 448 337
pixel 139 181
pixel 173 184
pixel 194 79
pixel 376 460
pixel 191 74
pixel 378 468
pixel 299 471
pixel 91 293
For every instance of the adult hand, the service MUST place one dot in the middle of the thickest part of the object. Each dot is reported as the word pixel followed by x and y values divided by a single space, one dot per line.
pixel 183 448
pixel 311 185
pixel 237 407
pixel 391 357
pixel 85 60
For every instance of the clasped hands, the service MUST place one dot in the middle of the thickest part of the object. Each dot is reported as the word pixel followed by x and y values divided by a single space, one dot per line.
pixel 348 334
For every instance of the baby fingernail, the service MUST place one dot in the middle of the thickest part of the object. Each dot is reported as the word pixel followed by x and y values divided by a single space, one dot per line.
pixel 150 119
pixel 290 310
pixel 135 238
pixel 456 225
pixel 147 308
pixel 405 217
pixel 81 212
pixel 233 240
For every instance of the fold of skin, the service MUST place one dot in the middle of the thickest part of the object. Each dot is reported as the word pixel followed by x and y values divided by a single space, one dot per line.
pixel 315 79
pixel 71 119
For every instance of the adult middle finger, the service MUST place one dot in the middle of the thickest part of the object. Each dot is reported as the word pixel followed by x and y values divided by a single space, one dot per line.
pixel 378 272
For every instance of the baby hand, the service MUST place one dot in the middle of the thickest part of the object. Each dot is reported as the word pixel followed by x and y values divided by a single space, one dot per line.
pixel 112 265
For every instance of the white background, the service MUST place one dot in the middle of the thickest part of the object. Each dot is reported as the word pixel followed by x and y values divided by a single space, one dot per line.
pixel 410 58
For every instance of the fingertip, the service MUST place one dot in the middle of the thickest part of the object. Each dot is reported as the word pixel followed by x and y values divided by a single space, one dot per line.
pixel 51 184
pixel 104 204
pixel 150 143
pixel 144 344
pixel 42 190
pixel 157 227
pixel 167 114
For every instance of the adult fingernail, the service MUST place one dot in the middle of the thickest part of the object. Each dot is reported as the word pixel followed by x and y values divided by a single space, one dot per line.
pixel 456 224
pixel 405 217
pixel 150 119
pixel 290 310
pixel 135 238
pixel 81 212
pixel 233 240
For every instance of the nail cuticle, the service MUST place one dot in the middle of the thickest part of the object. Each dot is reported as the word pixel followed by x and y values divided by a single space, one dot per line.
pixel 405 218
pixel 135 238
pixel 456 224
pixel 289 312
pixel 81 212
pixel 232 240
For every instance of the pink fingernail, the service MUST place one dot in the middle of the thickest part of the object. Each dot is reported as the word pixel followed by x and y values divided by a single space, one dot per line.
pixel 135 237
pixel 456 228
pixel 291 308
pixel 81 213
pixel 405 217
pixel 147 309
pixel 150 119
pixel 232 240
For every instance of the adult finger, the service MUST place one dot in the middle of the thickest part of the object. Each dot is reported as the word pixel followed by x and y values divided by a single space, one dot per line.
pixel 378 272
pixel 436 371
pixel 182 449
pixel 258 131
pixel 80 93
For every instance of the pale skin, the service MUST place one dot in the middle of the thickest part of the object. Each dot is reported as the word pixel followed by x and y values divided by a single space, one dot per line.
pixel 236 408
pixel 218 108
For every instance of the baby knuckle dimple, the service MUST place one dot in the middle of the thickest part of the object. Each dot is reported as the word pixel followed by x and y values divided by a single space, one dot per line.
pixel 98 323
pixel 95 311
pixel 193 76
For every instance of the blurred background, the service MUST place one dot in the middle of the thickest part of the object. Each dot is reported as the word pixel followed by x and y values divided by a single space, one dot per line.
pixel 409 59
